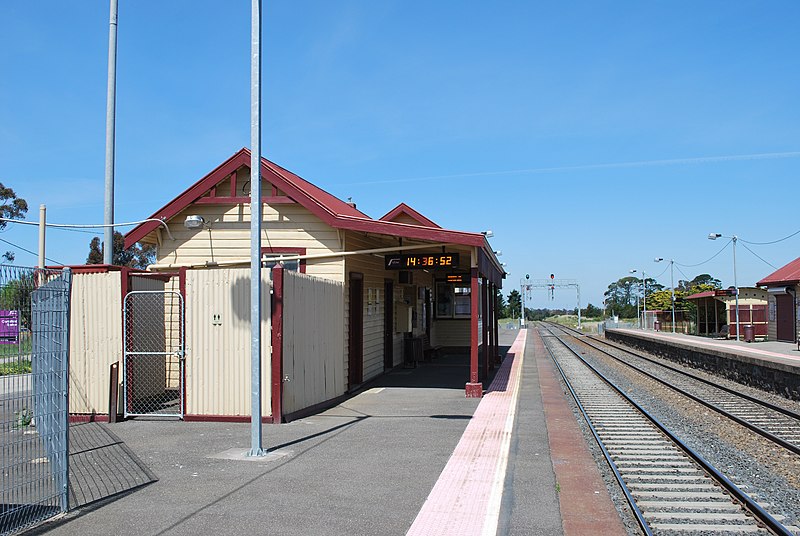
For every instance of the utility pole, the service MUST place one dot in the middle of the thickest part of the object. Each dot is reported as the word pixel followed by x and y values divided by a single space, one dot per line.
pixel 255 231
pixel 111 102
pixel 42 224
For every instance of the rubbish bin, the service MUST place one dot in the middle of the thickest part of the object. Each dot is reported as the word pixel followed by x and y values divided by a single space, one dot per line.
pixel 657 325
pixel 748 333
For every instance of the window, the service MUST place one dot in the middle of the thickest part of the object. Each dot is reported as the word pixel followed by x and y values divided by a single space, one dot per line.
pixel 272 256
pixel 452 301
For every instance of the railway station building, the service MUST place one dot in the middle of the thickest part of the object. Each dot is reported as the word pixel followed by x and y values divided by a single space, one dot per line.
pixel 716 312
pixel 782 285
pixel 349 297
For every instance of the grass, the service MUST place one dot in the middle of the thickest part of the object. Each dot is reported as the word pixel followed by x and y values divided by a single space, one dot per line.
pixel 18 367
pixel 14 350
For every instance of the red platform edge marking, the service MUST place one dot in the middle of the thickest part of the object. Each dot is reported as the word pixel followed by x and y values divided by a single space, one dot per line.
pixel 459 501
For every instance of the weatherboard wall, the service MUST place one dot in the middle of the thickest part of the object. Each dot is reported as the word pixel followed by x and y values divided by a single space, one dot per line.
pixel 227 237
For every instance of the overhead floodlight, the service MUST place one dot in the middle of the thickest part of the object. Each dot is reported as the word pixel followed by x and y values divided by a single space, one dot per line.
pixel 714 236
pixel 194 222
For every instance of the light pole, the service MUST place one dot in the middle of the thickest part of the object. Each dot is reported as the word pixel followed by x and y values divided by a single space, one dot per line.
pixel 638 318
pixel 734 238
pixel 672 286
pixel 644 299
pixel 522 300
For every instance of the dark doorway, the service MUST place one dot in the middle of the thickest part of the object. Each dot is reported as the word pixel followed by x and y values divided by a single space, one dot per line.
pixel 784 317
pixel 388 324
pixel 355 346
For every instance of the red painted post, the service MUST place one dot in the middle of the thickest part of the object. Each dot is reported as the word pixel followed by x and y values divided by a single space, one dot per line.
pixel 488 363
pixel 474 389
pixel 498 358
pixel 182 289
pixel 277 343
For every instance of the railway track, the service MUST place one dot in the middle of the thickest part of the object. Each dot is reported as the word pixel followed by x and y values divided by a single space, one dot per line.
pixel 671 488
pixel 776 423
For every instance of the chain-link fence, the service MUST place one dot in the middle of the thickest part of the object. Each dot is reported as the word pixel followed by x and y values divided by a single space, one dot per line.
pixel 153 364
pixel 34 360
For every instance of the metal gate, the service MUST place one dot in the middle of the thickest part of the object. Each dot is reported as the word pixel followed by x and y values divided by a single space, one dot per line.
pixel 34 355
pixel 153 363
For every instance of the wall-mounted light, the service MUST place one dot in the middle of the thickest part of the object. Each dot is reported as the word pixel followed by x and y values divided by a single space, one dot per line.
pixel 194 222
pixel 498 253
pixel 487 234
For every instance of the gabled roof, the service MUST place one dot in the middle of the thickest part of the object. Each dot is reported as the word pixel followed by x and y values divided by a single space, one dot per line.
pixel 404 210
pixel 301 191
pixel 786 275
pixel 327 207
pixel 698 295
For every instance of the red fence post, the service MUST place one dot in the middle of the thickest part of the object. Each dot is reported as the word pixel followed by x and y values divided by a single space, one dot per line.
pixel 277 343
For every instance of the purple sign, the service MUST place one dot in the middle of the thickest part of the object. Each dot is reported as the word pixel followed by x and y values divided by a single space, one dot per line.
pixel 9 327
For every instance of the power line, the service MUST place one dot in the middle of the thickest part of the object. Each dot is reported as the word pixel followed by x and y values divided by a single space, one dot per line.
pixel 29 251
pixel 73 226
pixel 768 243
pixel 756 254
pixel 707 260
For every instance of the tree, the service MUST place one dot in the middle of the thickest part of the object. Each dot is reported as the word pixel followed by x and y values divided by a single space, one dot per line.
pixel 621 296
pixel 592 312
pixel 13 208
pixel 15 295
pixel 136 256
pixel 500 304
pixel 514 302
pixel 697 282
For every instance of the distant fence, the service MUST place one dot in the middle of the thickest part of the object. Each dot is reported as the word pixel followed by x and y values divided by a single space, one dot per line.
pixel 33 396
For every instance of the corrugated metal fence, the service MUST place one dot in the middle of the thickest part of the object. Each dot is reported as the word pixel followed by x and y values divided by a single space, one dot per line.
pixel 34 357
pixel 313 341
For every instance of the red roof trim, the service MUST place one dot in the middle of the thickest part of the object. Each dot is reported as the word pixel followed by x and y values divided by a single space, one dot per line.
pixel 402 208
pixel 785 275
pixel 330 209
pixel 704 294
pixel 189 196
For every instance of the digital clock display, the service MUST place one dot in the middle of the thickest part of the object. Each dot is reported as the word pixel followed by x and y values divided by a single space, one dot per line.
pixel 421 261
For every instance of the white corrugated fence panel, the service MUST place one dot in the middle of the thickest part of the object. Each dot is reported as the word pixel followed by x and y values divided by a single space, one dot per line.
pixel 95 339
pixel 218 342
pixel 313 341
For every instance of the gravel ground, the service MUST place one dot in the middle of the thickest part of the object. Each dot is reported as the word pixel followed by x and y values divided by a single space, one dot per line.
pixel 758 467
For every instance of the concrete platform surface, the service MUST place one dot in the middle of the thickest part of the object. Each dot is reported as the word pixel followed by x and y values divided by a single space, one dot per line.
pixel 371 465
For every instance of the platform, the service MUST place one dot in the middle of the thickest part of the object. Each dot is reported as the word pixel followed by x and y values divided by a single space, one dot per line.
pixel 772 366
pixel 409 454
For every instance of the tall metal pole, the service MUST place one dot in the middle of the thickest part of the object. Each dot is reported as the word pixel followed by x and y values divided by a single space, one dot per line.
pixel 42 224
pixel 522 305
pixel 111 101
pixel 672 285
pixel 644 299
pixel 638 316
pixel 579 306
pixel 255 231
pixel 736 285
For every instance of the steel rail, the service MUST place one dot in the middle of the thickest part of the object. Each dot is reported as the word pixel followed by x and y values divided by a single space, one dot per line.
pixel 751 505
pixel 779 409
pixel 620 480
pixel 792 447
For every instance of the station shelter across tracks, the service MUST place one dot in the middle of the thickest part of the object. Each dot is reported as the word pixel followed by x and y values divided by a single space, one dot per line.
pixel 350 297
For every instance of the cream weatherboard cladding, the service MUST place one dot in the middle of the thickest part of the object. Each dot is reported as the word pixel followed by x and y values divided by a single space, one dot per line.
pixel 218 342
pixel 313 341
pixel 95 339
pixel 227 237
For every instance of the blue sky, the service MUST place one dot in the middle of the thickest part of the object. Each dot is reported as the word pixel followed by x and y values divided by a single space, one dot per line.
pixel 590 137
